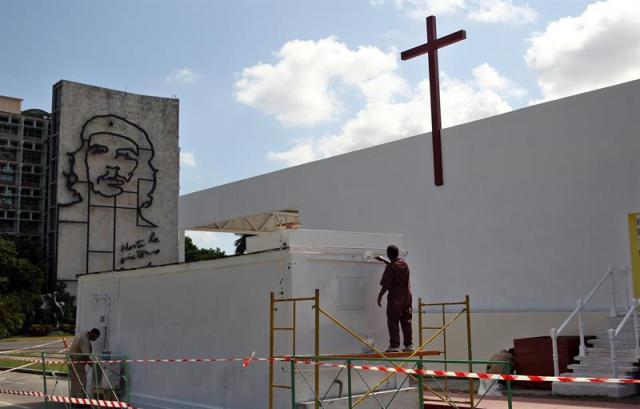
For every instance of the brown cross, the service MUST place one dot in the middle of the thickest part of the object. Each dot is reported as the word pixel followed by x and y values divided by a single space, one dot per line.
pixel 431 48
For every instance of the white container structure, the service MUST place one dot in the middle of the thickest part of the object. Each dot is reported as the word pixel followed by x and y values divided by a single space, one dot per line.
pixel 220 308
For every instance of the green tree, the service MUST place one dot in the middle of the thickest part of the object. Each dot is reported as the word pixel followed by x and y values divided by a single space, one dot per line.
pixel 194 253
pixel 16 273
pixel 21 283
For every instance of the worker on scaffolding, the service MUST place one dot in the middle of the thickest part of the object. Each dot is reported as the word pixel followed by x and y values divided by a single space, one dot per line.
pixel 395 281
pixel 80 357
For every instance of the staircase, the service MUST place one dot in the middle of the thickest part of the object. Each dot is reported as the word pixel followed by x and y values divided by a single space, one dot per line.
pixel 597 363
pixel 613 353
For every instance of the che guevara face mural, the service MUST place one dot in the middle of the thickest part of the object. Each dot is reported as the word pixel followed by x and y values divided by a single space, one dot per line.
pixel 115 157
pixel 111 162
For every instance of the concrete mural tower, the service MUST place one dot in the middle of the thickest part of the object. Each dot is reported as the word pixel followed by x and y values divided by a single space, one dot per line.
pixel 113 181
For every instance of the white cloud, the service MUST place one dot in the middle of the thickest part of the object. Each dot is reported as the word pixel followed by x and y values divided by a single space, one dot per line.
pixel 598 48
pixel 487 77
pixel 301 152
pixel 422 8
pixel 382 121
pixel 187 159
pixel 501 11
pixel 303 87
pixel 484 11
pixel 183 75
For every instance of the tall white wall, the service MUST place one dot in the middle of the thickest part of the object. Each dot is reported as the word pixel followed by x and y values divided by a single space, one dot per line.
pixel 532 211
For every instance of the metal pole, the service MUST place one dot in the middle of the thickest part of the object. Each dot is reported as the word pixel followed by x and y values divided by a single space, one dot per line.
pixel 420 325
pixel 636 329
pixel 44 380
pixel 612 311
pixel 444 339
pixel 271 348
pixel 469 347
pixel 317 346
pixel 349 384
pixel 509 400
pixel 582 349
pixel 614 369
pixel 127 380
pixel 294 328
pixel 420 388
pixel 554 346
pixel 627 287
pixel 293 383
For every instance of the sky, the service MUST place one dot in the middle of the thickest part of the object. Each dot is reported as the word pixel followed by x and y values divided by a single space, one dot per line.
pixel 267 84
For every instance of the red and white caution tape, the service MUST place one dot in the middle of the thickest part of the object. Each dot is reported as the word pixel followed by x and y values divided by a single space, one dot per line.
pixel 475 375
pixel 246 360
pixel 424 372
pixel 65 399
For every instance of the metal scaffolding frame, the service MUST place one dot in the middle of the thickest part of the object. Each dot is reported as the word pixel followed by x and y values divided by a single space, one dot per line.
pixel 317 357
pixel 466 310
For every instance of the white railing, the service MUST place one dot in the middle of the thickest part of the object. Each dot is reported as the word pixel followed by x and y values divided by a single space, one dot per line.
pixel 580 307
pixel 613 333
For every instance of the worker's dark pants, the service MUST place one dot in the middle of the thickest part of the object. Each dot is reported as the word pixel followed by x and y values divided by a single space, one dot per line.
pixel 399 312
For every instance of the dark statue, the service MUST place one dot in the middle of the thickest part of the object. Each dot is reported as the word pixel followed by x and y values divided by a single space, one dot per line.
pixel 52 309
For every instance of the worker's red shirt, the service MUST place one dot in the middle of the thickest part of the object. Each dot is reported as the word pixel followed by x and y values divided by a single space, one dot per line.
pixel 395 279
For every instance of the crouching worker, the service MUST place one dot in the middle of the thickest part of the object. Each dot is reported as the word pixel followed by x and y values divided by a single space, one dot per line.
pixel 79 354
pixel 395 281
pixel 502 362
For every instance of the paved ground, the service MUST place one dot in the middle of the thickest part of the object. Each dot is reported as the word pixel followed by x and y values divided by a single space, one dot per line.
pixel 17 381
pixel 52 344
pixel 549 403
pixel 28 382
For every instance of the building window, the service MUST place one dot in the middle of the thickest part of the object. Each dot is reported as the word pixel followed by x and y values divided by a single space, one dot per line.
pixel 30 203
pixel 29 179
pixel 32 156
pixel 30 227
pixel 7 177
pixel 10 129
pixel 33 132
pixel 6 226
pixel 9 154
pixel 6 201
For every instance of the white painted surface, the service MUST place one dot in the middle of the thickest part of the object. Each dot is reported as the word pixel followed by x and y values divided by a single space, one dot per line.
pixel 533 208
pixel 220 308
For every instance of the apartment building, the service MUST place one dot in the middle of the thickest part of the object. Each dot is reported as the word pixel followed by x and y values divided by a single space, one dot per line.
pixel 23 139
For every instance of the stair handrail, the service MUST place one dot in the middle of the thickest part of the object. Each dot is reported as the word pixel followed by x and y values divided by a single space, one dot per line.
pixel 613 333
pixel 555 333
